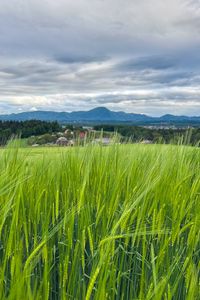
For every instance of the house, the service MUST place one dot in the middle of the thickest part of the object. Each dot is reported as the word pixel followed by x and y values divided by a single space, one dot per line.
pixel 71 143
pixel 88 128
pixel 82 135
pixel 68 132
pixel 62 141
pixel 103 141
pixel 146 142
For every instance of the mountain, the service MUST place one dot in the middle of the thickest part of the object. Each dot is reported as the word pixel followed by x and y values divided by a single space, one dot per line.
pixel 172 118
pixel 104 114
pixel 36 115
pixel 98 115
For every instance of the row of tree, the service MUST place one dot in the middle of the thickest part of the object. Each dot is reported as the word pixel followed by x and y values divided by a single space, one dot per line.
pixel 25 129
pixel 135 134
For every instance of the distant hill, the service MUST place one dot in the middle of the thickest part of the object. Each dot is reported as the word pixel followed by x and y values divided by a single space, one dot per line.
pixel 99 115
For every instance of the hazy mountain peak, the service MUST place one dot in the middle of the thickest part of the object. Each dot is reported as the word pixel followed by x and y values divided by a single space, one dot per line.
pixel 100 109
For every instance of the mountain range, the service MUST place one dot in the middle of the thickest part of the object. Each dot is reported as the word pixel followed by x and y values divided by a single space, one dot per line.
pixel 99 115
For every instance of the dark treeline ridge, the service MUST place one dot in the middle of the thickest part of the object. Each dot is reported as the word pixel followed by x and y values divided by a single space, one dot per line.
pixel 25 129
pixel 136 133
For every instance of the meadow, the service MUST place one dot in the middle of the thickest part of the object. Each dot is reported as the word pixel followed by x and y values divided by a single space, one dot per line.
pixel 119 222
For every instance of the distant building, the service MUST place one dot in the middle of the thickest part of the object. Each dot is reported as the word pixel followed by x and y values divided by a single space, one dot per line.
pixel 146 142
pixel 103 141
pixel 71 143
pixel 89 128
pixel 62 141
pixel 68 131
pixel 82 135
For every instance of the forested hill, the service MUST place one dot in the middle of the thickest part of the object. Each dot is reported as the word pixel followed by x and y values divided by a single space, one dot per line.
pixel 26 129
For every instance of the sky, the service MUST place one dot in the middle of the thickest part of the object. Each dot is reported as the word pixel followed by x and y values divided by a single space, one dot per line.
pixel 139 56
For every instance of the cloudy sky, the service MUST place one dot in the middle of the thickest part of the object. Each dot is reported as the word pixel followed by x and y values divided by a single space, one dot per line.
pixel 139 56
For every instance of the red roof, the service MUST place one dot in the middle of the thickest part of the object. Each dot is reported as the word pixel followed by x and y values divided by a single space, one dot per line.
pixel 82 135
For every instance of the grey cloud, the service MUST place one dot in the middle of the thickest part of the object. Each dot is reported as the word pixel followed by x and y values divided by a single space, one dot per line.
pixel 73 59
pixel 130 55
pixel 148 62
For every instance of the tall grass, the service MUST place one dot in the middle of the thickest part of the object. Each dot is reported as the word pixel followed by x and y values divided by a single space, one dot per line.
pixel 118 222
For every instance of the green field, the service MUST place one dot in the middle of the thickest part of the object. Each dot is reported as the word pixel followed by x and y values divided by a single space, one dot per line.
pixel 118 222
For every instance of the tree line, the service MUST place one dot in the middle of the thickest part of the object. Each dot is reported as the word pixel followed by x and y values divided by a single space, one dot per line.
pixel 25 129
pixel 36 128
pixel 137 133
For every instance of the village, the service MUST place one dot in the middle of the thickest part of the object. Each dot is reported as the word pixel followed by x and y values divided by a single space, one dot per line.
pixel 72 137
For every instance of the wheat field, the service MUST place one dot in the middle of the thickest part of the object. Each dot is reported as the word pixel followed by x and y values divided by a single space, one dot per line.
pixel 119 222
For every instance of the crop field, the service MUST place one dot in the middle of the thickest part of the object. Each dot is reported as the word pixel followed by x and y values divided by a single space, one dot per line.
pixel 119 222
